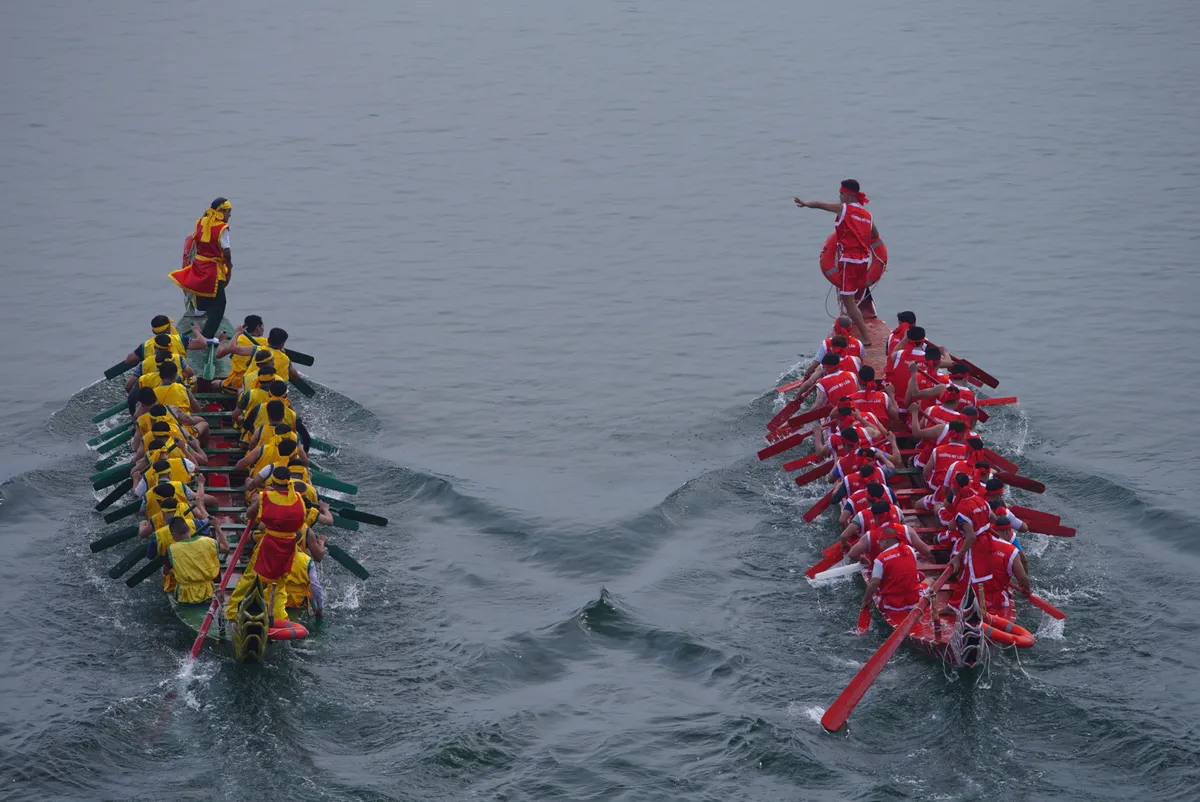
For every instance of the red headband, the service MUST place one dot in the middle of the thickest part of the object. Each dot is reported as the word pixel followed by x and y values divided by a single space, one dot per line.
pixel 861 197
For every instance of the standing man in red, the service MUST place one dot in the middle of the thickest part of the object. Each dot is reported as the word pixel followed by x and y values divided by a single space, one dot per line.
pixel 856 234
pixel 211 268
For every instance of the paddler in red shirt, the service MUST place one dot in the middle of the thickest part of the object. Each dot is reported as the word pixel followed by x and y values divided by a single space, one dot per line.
pixel 840 341
pixel 835 382
pixel 904 321
pixel 856 233
pixel 894 575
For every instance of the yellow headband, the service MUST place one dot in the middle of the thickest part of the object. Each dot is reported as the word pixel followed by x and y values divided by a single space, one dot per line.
pixel 225 205
pixel 163 329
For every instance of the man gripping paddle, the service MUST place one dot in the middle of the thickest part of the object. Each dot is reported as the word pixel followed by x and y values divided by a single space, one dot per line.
pixel 856 234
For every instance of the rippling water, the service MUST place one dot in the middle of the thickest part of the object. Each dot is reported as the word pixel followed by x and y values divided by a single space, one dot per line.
pixel 545 257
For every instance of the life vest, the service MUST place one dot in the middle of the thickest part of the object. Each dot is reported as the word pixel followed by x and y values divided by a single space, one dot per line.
pixel 854 481
pixel 853 231
pixel 832 269
pixel 154 500
pixel 195 564
pixel 868 521
pixel 269 455
pixel 897 373
pixel 938 414
pixel 837 386
pixel 853 348
pixel 973 509
pixel 858 501
pixel 146 421
pixel 282 363
pixel 996 589
pixel 177 347
pixel 173 395
pixel 176 471
pixel 151 366
pixel 900 588
pixel 943 457
pixel 897 336
pixel 925 381
pixel 841 446
pixel 258 417
pixel 239 364
pixel 872 402
pixel 296 586
pixel 283 514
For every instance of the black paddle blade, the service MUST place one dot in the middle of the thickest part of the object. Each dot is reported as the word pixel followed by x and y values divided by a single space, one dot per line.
pixel 299 357
pixel 128 561
pixel 112 497
pixel 108 541
pixel 300 384
pixel 146 570
pixel 117 369
pixel 364 517
pixel 122 512
pixel 346 561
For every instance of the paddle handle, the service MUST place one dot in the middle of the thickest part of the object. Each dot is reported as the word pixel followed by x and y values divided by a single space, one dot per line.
pixel 219 591
pixel 1040 603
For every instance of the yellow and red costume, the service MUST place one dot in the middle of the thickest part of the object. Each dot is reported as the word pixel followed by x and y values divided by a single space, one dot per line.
pixel 208 266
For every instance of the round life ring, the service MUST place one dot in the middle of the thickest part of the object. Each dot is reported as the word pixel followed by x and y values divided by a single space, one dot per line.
pixel 1007 632
pixel 282 629
pixel 189 249
pixel 832 270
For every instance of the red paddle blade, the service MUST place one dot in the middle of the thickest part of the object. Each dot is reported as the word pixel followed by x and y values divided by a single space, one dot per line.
pixel 787 388
pixel 912 492
pixel 1043 605
pixel 808 417
pixel 836 548
pixel 1000 462
pixel 822 504
pixel 797 464
pixel 1030 516
pixel 815 474
pixel 824 565
pixel 992 402
pixel 977 372
pixel 1051 529
pixel 789 409
pixel 835 717
pixel 1023 482
pixel 791 441
pixel 864 622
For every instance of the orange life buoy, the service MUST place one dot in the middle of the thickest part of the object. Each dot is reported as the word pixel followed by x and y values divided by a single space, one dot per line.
pixel 1006 632
pixel 189 249
pixel 283 629
pixel 833 271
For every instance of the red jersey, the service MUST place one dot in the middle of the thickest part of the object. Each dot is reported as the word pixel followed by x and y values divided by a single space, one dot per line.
pixel 897 372
pixel 853 348
pixel 942 458
pixel 868 521
pixel 838 385
pixel 841 446
pixel 900 582
pixel 870 402
pixel 855 481
pixel 1002 556
pixel 966 395
pixel 853 228
pixel 897 336
pixel 970 507
pixel 926 380
pixel 858 501
pixel 937 414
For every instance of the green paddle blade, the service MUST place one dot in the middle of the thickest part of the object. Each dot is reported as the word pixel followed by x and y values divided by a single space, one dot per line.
pixel 132 558
pixel 122 512
pixel 111 476
pixel 108 541
pixel 117 369
pixel 120 441
pixel 146 570
pixel 335 503
pixel 331 483
pixel 112 497
pixel 299 358
pixel 107 462
pixel 300 384
pixel 328 448
pixel 111 434
pixel 110 412
pixel 365 517
pixel 342 523
pixel 210 364
pixel 346 561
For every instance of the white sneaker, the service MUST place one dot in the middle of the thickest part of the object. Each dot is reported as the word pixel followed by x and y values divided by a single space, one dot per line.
pixel 199 313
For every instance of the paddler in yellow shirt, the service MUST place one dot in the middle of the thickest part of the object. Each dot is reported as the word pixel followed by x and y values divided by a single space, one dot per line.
pixel 246 338
pixel 276 341
pixel 303 584
pixel 194 562
pixel 172 392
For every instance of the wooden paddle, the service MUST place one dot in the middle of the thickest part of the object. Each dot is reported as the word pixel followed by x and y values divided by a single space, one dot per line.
pixel 299 357
pixel 1030 515
pixel 112 497
pixel 123 511
pixel 1000 462
pixel 991 402
pixel 346 561
pixel 815 474
pixel 112 539
pixel 1023 482
pixel 791 441
pixel 365 517
pixel 108 413
pixel 837 714
pixel 838 572
pixel 830 559
pixel 822 504
pixel 780 417
pixel 787 388
pixel 131 558
pixel 978 372
pixel 146 570
pixel 802 462
pixel 117 369
pixel 300 384
pixel 110 434
pixel 1040 603
pixel 219 591
pixel 864 622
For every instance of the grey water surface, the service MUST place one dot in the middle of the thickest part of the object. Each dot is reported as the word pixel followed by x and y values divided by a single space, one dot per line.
pixel 545 256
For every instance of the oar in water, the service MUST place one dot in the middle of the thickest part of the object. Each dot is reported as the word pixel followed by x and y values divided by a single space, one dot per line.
pixel 110 540
pixel 830 559
pixel 299 357
pixel 791 441
pixel 1031 516
pixel 822 504
pixel 342 523
pixel 1023 482
pixel 123 511
pixel 110 477
pixel 815 474
pixel 110 412
pixel 787 388
pixel 1040 603
pixel 837 572
pixel 300 384
pixel 146 570
pixel 117 492
pixel 332 482
pixel 219 591
pixel 346 561
pixel 991 402
pixel 864 622
pixel 365 517
pixel 837 714
pixel 131 558
pixel 789 409
pixel 328 448
pixel 110 433
pixel 117 369
pixel 802 462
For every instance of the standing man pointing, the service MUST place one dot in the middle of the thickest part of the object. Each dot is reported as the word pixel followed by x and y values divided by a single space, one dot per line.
pixel 211 267
pixel 856 233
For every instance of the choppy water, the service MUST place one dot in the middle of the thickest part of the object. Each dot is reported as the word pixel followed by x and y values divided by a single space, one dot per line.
pixel 545 255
